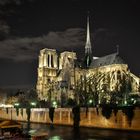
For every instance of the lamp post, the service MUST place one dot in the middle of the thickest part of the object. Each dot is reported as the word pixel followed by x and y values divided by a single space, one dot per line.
pixel 17 107
pixel 28 112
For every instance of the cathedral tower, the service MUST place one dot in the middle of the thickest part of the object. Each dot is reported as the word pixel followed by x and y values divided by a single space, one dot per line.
pixel 47 71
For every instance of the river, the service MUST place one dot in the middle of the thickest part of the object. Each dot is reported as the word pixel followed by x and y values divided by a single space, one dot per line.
pixel 58 132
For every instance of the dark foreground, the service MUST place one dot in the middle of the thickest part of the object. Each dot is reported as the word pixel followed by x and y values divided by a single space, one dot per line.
pixel 67 133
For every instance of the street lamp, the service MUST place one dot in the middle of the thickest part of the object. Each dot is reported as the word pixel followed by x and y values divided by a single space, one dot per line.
pixel 125 102
pixel 17 109
pixel 90 102
pixel 33 104
pixel 54 104
pixel 16 104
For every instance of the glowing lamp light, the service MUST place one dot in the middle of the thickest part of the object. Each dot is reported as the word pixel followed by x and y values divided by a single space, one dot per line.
pixel 16 104
pixel 54 104
pixel 116 102
pixel 125 102
pixel 90 101
pixel 6 105
pixel 33 103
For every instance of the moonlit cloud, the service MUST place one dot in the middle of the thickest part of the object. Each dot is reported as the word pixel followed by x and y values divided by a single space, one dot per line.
pixel 27 49
pixel 67 39
pixel 72 39
pixel 4 29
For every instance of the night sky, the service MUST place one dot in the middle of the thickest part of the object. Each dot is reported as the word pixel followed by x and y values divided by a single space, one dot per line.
pixel 26 26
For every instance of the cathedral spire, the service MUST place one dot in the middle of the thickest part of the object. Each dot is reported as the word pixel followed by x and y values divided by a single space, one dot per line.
pixel 88 50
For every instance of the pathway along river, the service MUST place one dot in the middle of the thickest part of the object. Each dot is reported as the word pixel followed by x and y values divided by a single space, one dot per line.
pixel 67 133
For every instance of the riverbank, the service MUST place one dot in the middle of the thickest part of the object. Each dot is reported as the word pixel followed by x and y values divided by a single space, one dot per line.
pixel 63 116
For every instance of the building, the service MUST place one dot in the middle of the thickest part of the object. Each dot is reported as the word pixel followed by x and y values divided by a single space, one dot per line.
pixel 60 76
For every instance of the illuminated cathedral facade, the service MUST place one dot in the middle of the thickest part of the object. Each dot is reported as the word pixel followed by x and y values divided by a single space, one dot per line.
pixel 61 75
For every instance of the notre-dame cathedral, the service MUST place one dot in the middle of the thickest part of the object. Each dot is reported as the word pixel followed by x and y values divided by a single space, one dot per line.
pixel 60 75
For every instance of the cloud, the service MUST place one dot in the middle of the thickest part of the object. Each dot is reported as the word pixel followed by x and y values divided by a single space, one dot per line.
pixel 70 38
pixel 4 30
pixel 27 49
pixel 17 2
pixel 5 12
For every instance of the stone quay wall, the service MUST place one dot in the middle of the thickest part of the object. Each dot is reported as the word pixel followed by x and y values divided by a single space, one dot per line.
pixel 64 116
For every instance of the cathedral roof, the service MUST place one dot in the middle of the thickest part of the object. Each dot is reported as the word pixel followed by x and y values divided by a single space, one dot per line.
pixel 106 60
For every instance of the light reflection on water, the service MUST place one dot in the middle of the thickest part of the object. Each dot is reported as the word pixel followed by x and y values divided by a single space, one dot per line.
pixel 67 133
pixel 55 138
pixel 94 139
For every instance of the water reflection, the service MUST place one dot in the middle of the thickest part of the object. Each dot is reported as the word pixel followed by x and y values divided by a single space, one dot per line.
pixel 55 138
pixel 68 133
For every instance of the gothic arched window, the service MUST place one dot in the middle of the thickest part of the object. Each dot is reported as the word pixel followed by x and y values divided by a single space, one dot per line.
pixel 48 60
pixel 52 64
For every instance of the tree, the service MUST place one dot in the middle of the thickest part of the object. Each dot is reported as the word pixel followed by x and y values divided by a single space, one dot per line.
pixel 129 112
pixel 32 95
pixel 71 102
pixel 104 87
pixel 106 111
pixel 11 100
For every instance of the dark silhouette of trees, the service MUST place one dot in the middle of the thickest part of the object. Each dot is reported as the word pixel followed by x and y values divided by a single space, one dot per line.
pixel 17 110
pixel 106 111
pixel 76 116
pixel 71 102
pixel 28 112
pixel 21 111
pixel 129 112
pixel 51 114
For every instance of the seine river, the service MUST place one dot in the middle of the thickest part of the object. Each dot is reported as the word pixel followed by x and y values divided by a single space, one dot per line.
pixel 67 133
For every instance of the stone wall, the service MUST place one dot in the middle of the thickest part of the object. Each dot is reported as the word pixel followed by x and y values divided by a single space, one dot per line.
pixel 64 116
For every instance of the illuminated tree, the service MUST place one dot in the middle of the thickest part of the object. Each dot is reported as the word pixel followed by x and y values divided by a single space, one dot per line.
pixel 31 95
pixel 104 88
pixel 11 100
